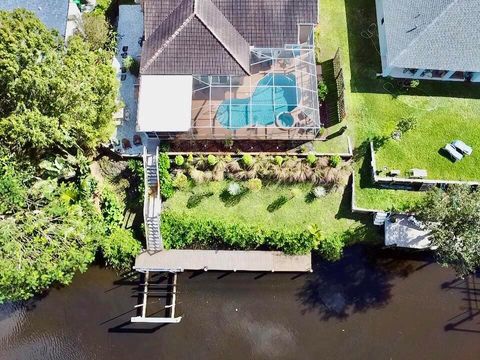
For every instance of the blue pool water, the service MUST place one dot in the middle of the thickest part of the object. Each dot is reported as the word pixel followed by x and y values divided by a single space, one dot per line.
pixel 262 112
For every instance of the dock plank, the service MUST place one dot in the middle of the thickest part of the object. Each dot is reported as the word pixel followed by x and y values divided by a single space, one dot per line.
pixel 222 260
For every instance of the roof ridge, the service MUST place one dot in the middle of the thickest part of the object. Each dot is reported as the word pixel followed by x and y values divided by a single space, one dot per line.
pixel 245 65
pixel 169 39
pixel 414 40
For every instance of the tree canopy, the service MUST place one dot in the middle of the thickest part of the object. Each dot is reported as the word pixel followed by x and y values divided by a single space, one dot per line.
pixel 52 95
pixel 56 104
pixel 453 216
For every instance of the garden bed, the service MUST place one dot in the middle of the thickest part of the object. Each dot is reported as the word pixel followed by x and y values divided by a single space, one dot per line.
pixel 337 143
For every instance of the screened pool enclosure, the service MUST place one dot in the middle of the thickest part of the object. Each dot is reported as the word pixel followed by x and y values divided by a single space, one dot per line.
pixel 277 101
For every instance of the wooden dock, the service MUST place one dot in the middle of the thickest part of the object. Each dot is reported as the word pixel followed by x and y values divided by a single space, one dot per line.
pixel 222 260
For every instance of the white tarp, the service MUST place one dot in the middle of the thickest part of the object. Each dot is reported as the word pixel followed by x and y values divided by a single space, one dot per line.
pixel 165 103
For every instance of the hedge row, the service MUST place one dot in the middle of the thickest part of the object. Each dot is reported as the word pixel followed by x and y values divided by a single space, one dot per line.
pixel 181 230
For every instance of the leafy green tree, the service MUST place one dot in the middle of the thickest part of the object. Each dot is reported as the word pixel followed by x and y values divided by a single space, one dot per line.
pixel 95 29
pixel 46 246
pixel 119 248
pixel 52 95
pixel 453 217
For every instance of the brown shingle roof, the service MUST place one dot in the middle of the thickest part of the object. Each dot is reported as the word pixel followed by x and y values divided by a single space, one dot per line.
pixel 214 36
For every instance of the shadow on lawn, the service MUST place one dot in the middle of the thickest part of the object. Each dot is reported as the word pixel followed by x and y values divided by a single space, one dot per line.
pixel 277 203
pixel 361 280
pixel 365 62
pixel 195 199
pixel 231 200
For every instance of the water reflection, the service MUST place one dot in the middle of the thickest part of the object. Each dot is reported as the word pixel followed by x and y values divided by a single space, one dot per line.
pixel 373 304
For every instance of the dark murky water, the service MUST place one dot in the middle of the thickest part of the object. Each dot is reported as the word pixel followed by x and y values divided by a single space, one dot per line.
pixel 368 306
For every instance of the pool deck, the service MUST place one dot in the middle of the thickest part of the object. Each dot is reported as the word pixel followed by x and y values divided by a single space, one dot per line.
pixel 222 260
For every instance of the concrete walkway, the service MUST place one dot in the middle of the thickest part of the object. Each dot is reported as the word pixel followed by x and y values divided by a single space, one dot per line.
pixel 222 260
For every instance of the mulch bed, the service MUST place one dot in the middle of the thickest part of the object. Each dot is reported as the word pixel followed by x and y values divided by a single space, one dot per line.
pixel 238 146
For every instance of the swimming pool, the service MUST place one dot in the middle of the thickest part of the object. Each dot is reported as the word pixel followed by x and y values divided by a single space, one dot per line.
pixel 274 94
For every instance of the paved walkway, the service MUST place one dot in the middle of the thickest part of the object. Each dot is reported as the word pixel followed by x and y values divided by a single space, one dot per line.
pixel 130 31
pixel 222 260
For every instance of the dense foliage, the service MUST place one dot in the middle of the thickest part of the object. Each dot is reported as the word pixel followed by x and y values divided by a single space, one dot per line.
pixel 52 96
pixel 453 217
pixel 96 31
pixel 166 181
pixel 56 104
pixel 182 231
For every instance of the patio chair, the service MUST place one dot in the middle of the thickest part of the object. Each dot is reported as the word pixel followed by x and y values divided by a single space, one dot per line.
pixel 126 144
pixel 453 152
pixel 462 147
pixel 137 140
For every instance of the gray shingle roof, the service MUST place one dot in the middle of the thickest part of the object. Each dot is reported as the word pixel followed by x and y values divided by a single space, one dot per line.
pixel 433 34
pixel 214 36
pixel 53 13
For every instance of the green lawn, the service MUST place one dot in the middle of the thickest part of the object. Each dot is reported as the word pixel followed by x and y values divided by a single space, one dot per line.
pixel 331 213
pixel 444 110
pixel 338 144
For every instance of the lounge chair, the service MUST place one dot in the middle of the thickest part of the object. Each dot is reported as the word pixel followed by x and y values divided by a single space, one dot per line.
pixel 453 152
pixel 462 147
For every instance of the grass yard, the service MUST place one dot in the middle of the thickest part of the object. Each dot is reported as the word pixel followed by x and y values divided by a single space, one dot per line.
pixel 267 208
pixel 444 110
pixel 337 144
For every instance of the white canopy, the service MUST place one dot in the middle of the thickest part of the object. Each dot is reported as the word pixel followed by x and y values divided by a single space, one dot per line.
pixel 165 103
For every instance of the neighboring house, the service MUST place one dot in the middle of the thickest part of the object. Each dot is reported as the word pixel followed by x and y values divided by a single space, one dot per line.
pixel 60 15
pixel 430 39
pixel 217 69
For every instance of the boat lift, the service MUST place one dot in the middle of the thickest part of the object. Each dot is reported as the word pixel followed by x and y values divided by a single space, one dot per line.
pixel 171 292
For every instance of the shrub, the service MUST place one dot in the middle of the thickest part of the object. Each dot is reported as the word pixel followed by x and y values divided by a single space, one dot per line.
pixel 228 142
pixel 112 209
pixel 331 247
pixel 228 158
pixel 181 181
pixel 120 248
pixel 234 189
pixel 407 124
pixel 319 191
pixel 212 160
pixel 278 160
pixel 190 158
pixel 166 182
pixel 311 159
pixel 181 230
pixel 414 83
pixel 254 184
pixel 197 176
pixel 179 160
pixel 335 160
pixel 96 31
pixel 136 178
pixel 295 192
pixel 247 160
pixel 322 90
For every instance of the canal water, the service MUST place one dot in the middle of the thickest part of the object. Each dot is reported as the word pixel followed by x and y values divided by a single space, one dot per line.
pixel 371 305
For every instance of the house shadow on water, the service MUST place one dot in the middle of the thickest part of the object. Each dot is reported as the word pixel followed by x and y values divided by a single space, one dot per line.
pixel 360 281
